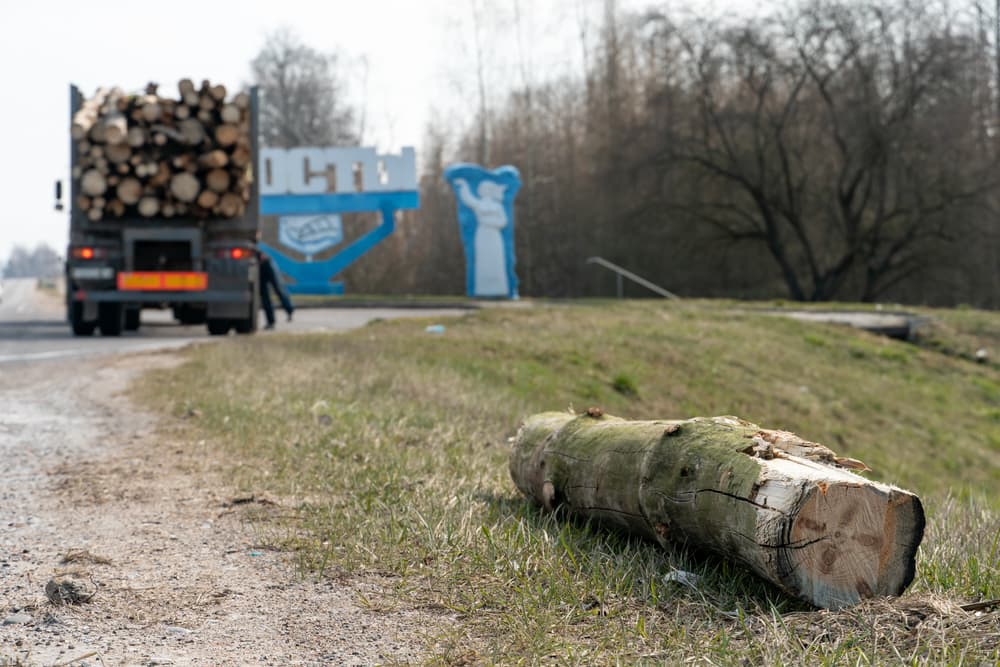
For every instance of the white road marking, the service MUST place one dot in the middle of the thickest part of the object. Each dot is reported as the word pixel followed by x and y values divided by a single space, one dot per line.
pixel 32 356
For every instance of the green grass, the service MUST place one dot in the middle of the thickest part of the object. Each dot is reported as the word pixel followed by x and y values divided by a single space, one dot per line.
pixel 391 445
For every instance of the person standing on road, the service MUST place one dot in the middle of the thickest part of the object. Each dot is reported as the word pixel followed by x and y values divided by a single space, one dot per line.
pixel 269 278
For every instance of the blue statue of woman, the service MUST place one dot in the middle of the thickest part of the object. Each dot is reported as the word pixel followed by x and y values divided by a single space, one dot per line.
pixel 486 218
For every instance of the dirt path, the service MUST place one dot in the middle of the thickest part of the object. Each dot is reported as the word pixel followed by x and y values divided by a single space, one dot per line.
pixel 180 580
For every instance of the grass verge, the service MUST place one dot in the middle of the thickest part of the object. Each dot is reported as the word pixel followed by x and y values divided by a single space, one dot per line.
pixel 391 445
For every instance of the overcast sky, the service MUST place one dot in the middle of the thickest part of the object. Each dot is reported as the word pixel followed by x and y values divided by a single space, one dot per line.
pixel 407 61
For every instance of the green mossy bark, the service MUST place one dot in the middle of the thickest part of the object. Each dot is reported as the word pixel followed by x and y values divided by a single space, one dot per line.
pixel 665 480
pixel 696 481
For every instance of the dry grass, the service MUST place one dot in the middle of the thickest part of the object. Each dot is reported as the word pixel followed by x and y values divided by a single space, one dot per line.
pixel 386 449
pixel 84 557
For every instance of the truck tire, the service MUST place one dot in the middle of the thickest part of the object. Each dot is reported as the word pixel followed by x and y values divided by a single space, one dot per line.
pixel 219 326
pixel 133 319
pixel 80 326
pixel 248 325
pixel 110 318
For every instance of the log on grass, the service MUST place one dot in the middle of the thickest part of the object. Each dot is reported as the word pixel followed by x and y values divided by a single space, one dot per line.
pixel 789 509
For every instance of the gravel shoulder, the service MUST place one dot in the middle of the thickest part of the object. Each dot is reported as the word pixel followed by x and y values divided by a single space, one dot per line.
pixel 150 521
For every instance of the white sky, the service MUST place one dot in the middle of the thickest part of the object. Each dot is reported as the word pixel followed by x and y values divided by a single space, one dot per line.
pixel 419 54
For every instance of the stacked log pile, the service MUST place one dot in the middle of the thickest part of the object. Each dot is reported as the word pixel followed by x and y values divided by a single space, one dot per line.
pixel 153 156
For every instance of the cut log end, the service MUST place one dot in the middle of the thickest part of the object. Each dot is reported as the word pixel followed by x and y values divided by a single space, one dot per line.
pixel 150 155
pixel 850 542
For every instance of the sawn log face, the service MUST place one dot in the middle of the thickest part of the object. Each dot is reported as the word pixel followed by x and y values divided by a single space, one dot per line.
pixel 779 504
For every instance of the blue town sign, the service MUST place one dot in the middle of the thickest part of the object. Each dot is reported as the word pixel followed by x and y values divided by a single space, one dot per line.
pixel 486 221
pixel 307 187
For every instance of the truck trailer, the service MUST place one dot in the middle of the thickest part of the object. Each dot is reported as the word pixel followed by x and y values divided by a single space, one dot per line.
pixel 163 209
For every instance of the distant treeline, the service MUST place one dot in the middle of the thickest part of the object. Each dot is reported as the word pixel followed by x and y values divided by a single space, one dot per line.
pixel 834 150
pixel 38 262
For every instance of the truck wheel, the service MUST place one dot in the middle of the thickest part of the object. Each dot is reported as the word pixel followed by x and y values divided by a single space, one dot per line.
pixel 133 319
pixel 247 325
pixel 110 318
pixel 80 326
pixel 218 326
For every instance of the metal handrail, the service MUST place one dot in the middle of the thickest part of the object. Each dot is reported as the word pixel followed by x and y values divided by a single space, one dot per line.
pixel 625 273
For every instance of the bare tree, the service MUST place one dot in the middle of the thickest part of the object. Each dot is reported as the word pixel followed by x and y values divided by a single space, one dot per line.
pixel 841 140
pixel 841 149
pixel 302 95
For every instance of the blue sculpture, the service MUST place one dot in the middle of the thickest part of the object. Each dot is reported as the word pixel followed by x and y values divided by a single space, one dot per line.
pixel 486 221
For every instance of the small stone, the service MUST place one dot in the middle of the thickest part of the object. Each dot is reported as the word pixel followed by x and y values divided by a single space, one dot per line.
pixel 17 619
pixel 69 589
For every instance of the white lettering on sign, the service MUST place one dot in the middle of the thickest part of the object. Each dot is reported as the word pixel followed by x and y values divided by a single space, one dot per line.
pixel 311 170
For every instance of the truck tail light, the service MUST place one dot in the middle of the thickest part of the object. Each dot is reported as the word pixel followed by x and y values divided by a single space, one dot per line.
pixel 88 252
pixel 235 253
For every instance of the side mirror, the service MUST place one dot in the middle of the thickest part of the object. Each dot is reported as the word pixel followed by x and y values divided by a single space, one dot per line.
pixel 59 204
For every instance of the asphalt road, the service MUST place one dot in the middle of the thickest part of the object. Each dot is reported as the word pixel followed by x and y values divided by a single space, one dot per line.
pixel 33 326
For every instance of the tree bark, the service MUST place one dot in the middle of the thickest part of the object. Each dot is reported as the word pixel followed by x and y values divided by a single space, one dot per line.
pixel 783 506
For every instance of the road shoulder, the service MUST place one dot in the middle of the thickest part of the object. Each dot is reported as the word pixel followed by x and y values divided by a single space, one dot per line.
pixel 149 520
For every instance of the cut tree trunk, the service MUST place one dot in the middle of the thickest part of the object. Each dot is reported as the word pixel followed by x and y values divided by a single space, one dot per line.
pixel 240 156
pixel 231 205
pixel 153 156
pixel 114 128
pixel 208 199
pixel 783 506
pixel 118 153
pixel 93 183
pixel 214 159
pixel 230 114
pixel 185 187
pixel 84 119
pixel 149 206
pixel 227 135
pixel 218 180
pixel 129 191
pixel 192 130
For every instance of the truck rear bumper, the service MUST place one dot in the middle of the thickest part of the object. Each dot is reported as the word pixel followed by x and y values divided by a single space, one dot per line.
pixel 159 296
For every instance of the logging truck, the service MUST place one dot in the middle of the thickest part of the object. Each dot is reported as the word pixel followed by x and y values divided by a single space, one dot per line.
pixel 163 208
